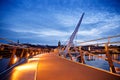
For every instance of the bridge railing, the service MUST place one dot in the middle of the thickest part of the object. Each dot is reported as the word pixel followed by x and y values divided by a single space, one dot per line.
pixel 15 54
pixel 108 47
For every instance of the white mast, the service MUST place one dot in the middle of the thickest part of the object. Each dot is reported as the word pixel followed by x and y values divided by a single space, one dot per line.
pixel 70 42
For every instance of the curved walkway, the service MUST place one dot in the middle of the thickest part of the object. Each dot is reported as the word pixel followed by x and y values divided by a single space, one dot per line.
pixel 52 67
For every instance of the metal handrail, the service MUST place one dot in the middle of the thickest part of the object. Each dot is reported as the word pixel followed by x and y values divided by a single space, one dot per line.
pixel 100 39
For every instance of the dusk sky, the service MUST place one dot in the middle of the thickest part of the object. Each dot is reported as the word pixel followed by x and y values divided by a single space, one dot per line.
pixel 48 21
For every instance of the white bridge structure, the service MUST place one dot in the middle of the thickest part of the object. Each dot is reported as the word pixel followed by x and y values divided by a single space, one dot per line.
pixel 70 41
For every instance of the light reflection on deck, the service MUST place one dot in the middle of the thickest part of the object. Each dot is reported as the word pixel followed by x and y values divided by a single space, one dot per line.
pixel 25 71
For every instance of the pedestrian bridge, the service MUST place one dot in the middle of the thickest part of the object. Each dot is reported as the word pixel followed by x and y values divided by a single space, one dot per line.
pixel 51 66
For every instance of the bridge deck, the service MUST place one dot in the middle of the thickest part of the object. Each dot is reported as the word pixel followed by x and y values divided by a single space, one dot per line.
pixel 52 67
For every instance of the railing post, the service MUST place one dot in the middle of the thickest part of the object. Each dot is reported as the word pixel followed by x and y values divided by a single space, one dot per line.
pixel 82 56
pixel 2 48
pixel 109 59
pixel 12 57
pixel 31 51
pixel 70 55
pixel 27 54
pixel 21 54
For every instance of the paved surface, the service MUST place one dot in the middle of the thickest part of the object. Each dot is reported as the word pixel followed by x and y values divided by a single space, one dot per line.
pixel 52 67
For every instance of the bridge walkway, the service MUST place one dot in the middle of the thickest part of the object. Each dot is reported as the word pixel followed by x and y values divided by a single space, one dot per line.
pixel 53 67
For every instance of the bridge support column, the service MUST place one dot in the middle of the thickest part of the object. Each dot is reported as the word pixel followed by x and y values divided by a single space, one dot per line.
pixel 82 56
pixel 109 59
pixel 27 54
pixel 12 57
pixel 21 54
pixel 69 55
pixel 31 53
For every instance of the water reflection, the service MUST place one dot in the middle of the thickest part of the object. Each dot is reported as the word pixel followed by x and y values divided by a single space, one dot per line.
pixel 1 57
pixel 116 56
pixel 90 58
pixel 100 62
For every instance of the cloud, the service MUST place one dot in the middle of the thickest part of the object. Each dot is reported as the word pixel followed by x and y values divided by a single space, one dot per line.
pixel 91 18
pixel 92 24
pixel 52 32
pixel 96 17
pixel 43 32
pixel 99 30
pixel 66 20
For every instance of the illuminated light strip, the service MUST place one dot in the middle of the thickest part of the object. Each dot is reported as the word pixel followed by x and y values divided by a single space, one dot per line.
pixel 29 66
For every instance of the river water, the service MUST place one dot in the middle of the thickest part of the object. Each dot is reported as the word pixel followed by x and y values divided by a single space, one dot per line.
pixel 101 63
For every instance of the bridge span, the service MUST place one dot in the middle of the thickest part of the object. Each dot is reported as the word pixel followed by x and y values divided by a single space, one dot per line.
pixel 52 66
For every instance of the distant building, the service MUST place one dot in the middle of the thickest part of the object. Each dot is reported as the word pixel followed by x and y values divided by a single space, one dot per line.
pixel 59 44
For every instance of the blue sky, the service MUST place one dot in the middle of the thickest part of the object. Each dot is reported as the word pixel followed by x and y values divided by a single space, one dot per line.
pixel 48 21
